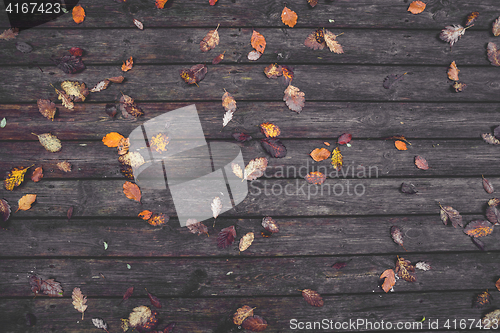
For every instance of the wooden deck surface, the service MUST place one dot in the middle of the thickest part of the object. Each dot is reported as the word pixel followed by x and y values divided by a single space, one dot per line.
pixel 105 248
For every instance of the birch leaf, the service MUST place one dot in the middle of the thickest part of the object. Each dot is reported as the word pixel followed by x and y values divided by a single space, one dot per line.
pixel 49 142
pixel 416 7
pixel 210 41
pixel 320 154
pixel 389 279
pixel 79 301
pixel 289 17
pixel 112 139
pixel 258 42
pixel 100 86
pixel 254 55
pixel 47 108
pixel 9 34
pixel 246 241
pixel 478 228
pixel 421 163
pixel 294 98
pixel 490 139
pixel 26 201
pixel 132 191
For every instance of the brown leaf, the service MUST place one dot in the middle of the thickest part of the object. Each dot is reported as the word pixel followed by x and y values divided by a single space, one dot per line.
pixel 116 79
pixel 127 294
pixel 294 98
pixel 289 17
pixel 26 201
pixel 132 191
pixel 337 159
pixel 69 64
pixel 478 228
pixel 389 279
pixel 496 27
pixel 453 72
pixel 100 86
pixel 255 168
pixel 9 34
pixel 421 163
pixel 316 40
pixel 270 225
pixel 490 139
pixel 46 287
pixel 241 314
pixel 196 227
pixel 210 41
pixel 145 214
pixel 4 210
pixel 228 102
pixel 497 284
pixel 488 187
pixel 112 139
pixel 75 90
pixel 330 41
pixel 64 166
pixel 312 3
pixel 270 130
pixel 340 264
pixel 78 14
pixel 448 214
pixel 79 301
pixel 482 299
pixel 154 300
pixel 255 324
pixel 493 214
pixel 471 18
pixel 254 55
pixel 273 71
pixel 320 154
pixel 226 237
pixel 65 99
pixel 76 51
pixel 218 59
pixel 138 24
pixel 246 241
pixel 15 177
pixel 315 177
pixel 312 297
pixel 47 108
pixel 400 145
pixel 194 74
pixel 493 54
pixel 397 236
pixel 128 64
pixel 129 108
pixel 405 270
pixel 258 42
pixel 459 86
pixel 274 147
pixel 416 7
pixel 49 142
pixel 344 139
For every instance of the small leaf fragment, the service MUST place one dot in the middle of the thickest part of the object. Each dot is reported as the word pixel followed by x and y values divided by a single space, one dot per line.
pixel 312 297
pixel 24 47
pixel 453 72
pixel 491 320
pixel 129 291
pixel 254 55
pixel 210 41
pixel 64 166
pixel 112 139
pixel 196 227
pixel 459 86
pixel 160 3
pixel 389 280
pixel 315 177
pixel 423 266
pixel 47 108
pixel 138 24
pixel 218 59
pixel 145 214
pixel 105 244
pixel 69 213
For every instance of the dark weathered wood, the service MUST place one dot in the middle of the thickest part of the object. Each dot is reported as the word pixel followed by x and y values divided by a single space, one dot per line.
pixel 266 197
pixel 248 82
pixel 310 236
pixel 112 46
pixel 320 120
pixel 214 314
pixel 346 13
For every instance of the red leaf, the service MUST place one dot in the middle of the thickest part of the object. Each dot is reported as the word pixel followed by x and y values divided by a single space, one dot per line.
pixel 255 324
pixel 226 237
pixel 488 187
pixel 421 163
pixel 76 51
pixel 154 300
pixel 212 2
pixel 344 138
pixel 128 293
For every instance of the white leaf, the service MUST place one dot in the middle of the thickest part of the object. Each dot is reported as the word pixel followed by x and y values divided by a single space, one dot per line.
pixel 254 55
pixel 99 323
pixel 227 118
pixel 216 207
pixel 452 33
pixel 3 123
pixel 138 24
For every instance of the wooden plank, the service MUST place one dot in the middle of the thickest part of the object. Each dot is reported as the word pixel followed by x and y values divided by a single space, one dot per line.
pixel 346 13
pixel 329 236
pixel 215 314
pixel 113 46
pixel 292 197
pixel 245 82
pixel 455 158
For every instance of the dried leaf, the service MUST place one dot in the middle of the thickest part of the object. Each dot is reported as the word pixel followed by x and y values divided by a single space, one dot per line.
pixel 344 139
pixel 154 300
pixel 453 72
pixel 255 168
pixel 158 219
pixel 145 214
pixel 493 214
pixel 112 139
pixel 340 264
pixel 69 64
pixel 48 287
pixel 64 166
pixel 391 79
pixel 49 142
pixel 78 14
pixel 287 75
pixel 15 177
pixel 389 279
pixel 100 323
pixel 448 214
pixel 459 87
pixel 478 228
pixel 337 159
pixel 218 59
pixel 416 7
pixel 194 74
pixel 312 297
pixel 315 177
pixel 270 130
pixel 246 241
pixel 9 34
pixel 497 284
pixel 491 320
pixel 421 163
pixel 132 191
pixel 452 33
pixel 79 301
pixel 100 86
pixel 488 187
pixel 4 210
pixel 274 147
pixel 254 55
pixel 47 108
pixel 400 145
pixel 160 3
pixel 316 40
pixel 228 116
pixel 405 270
pixel 258 42
pixel 3 122
pixel 210 41
pixel 24 47
pixel 270 225
pixel 216 207
pixel 289 17
pixel 237 170
pixel 490 139
pixel 242 137
pixel 26 201
pixel 226 237
pixel 408 188
pixel 312 3
pixel 138 24
pixel 241 314
pixel 254 324
pixel 294 98
pixel 128 64
pixel 494 202
pixel 66 101
pixel 228 102
pixel 127 294
pixel 471 18
pixel 495 29
pixel 422 265
pixel 493 54
pixel 128 107
pixel 482 299
pixel 159 142
pixel 397 236
pixel 139 316
pixel 116 79
pixel 69 213
pixel 320 154
pixel 76 51
pixel 273 71
pixel 330 41
pixel 196 227
pixel 133 159
pixel 110 110
pixel 75 90
pixel 123 146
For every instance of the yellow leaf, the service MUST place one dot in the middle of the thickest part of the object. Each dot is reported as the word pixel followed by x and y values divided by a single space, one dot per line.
pixel 270 130
pixel 49 142
pixel 78 14
pixel 145 214
pixel 246 241
pixel 241 314
pixel 26 201
pixel 159 142
pixel 158 219
pixel 15 177
pixel 337 159
pixel 112 139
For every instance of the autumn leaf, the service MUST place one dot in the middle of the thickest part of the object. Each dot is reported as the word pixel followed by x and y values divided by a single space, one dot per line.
pixel 47 108
pixel 76 51
pixel 315 177
pixel 246 241
pixel 112 139
pixel 241 314
pixel 294 98
pixel 237 170
pixel 312 297
pixel 493 54
pixel 37 174
pixel 242 137
pixel 494 202
pixel 196 227
pixel 133 159
pixel 312 3
pixel 228 102
pixel 48 287
pixel 138 24
pixel 158 219
pixel 216 207
pixel 132 191
pixel 270 224
pixel 254 324
pixel 448 214
pixel 490 139
pixel 145 214
pixel 212 2
pixel 129 108
pixel 79 301
pixel 78 14
pixel 482 299
pixel 15 177
pixel 423 266
pixel 497 284
pixel 128 64
pixel 488 187
pixel 255 168
pixel 258 42
pixel 405 270
pixel 493 214
pixel 100 86
pixel 274 147
pixel 9 34
pixel 491 320
pixel 471 18
pixel 273 71
pixel 452 33
pixel 408 188
pixel 4 210
pixel 416 7
pixel 226 237
pixel 218 59
pixel 344 139
pixel 287 75
pixel 478 228
pixel 160 3
pixel 496 27
pixel 289 17
pixel 453 72
pixel 316 40
pixel 75 90
pixel 100 323
pixel 65 99
pixel 340 264
pixel 159 142
pixel 194 74
pixel 400 145
pixel 64 166
pixel 397 236
pixel 337 159
pixel 421 163
pixel 49 142
pixel 69 213
pixel 139 316
pixel 123 146
pixel 320 154
pixel 26 201
pixel 389 279
pixel 69 64
pixel 254 55
pixel 127 294
pixel 210 41
pixel 391 79
pixel 270 130
pixel 330 41
pixel 154 300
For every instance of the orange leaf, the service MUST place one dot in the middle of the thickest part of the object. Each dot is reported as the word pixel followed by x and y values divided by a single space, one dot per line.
pixel 390 280
pixel 453 72
pixel 78 14
pixel 132 191
pixel 158 219
pixel 160 3
pixel 26 201
pixel 497 284
pixel 416 7
pixel 289 17
pixel 37 174
pixel 212 2
pixel 270 130
pixel 400 145
pixel 258 42
pixel 145 214
pixel 320 154
pixel 112 139
pixel 127 64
